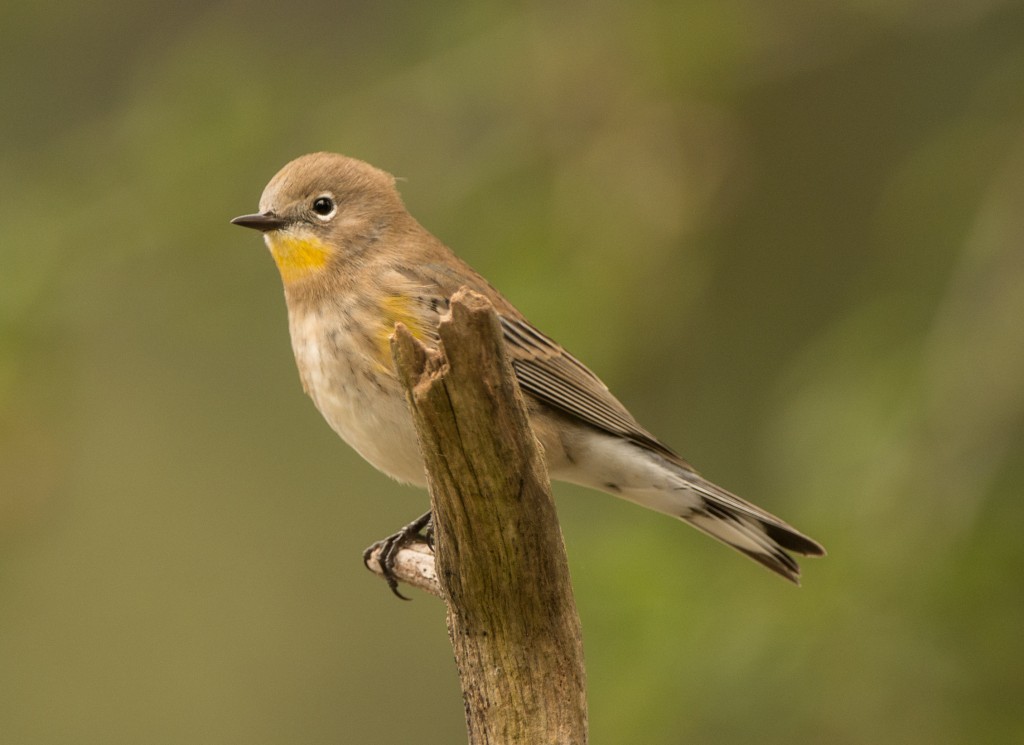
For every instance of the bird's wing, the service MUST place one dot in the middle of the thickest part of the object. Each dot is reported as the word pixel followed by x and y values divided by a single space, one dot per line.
pixel 543 368
pixel 554 376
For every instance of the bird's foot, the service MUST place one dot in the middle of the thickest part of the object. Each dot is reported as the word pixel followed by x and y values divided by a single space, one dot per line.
pixel 422 529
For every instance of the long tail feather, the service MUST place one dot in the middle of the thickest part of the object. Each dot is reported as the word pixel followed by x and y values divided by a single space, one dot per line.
pixel 748 529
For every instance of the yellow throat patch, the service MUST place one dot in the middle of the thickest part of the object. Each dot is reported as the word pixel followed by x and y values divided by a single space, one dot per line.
pixel 298 257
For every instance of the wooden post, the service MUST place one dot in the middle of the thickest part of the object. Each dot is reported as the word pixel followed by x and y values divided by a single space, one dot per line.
pixel 500 561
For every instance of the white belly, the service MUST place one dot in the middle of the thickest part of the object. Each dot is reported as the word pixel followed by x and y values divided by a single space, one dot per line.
pixel 364 405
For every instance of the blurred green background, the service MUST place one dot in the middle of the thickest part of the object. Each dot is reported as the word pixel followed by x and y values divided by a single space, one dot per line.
pixel 790 236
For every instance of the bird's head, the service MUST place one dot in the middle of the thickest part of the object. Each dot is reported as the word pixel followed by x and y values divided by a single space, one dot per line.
pixel 323 208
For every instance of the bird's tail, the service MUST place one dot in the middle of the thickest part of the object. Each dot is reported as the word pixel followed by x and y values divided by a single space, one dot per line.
pixel 662 481
pixel 747 528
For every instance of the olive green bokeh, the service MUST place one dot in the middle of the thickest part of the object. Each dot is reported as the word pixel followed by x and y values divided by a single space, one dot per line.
pixel 789 235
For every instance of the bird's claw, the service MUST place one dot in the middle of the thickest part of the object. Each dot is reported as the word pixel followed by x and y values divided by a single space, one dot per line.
pixel 421 529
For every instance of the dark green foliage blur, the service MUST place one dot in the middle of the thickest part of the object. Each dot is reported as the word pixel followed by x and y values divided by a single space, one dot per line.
pixel 789 235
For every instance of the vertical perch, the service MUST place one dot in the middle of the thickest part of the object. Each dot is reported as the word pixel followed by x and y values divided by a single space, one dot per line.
pixel 500 560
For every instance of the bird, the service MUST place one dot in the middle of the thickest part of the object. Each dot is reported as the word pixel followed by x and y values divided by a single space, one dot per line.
pixel 354 263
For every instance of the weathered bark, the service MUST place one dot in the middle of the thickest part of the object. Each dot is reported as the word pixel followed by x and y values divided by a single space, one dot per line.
pixel 500 559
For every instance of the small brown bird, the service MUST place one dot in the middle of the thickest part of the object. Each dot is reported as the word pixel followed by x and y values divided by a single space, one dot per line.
pixel 354 263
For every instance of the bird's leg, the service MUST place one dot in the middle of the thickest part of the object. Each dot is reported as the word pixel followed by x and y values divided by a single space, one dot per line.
pixel 421 528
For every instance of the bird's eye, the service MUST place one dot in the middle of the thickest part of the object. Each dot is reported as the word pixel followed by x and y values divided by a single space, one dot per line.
pixel 324 206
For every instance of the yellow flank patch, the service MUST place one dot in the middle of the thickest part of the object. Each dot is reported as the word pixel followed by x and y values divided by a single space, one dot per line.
pixel 396 309
pixel 298 258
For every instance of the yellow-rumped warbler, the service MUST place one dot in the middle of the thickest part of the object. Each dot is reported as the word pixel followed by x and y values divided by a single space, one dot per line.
pixel 354 263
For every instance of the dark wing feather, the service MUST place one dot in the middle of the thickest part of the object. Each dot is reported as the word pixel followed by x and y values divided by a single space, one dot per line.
pixel 561 381
pixel 542 367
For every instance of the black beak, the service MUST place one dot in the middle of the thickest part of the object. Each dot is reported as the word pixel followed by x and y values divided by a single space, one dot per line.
pixel 262 221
